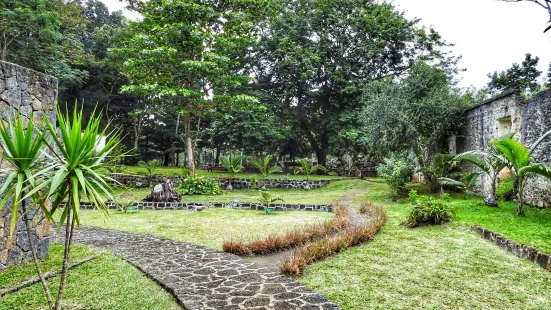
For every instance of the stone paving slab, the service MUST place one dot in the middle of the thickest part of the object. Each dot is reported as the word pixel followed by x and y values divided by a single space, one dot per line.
pixel 201 278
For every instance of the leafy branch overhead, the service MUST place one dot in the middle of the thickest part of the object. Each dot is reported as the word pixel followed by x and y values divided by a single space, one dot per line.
pixel 545 4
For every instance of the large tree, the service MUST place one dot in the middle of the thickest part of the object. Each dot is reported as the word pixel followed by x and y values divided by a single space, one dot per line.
pixel 545 4
pixel 314 56
pixel 414 114
pixel 178 54
pixel 522 77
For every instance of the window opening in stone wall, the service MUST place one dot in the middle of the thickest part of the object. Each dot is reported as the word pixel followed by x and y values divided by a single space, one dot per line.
pixel 505 126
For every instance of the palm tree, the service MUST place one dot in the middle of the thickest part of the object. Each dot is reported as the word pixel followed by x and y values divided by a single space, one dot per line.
pixel 78 168
pixel 233 165
pixel 491 163
pixel 442 166
pixel 307 167
pixel 150 166
pixel 22 148
pixel 519 161
pixel 264 165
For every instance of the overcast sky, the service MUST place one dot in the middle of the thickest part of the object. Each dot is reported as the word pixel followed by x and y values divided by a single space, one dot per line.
pixel 489 34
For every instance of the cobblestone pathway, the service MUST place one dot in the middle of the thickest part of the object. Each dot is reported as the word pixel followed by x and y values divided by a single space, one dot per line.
pixel 202 278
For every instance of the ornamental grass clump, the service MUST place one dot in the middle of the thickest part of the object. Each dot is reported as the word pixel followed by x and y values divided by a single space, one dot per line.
pixel 295 238
pixel 331 245
pixel 427 210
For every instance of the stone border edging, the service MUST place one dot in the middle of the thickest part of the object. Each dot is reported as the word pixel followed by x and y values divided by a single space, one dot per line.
pixel 521 250
pixel 48 275
pixel 194 206
pixel 140 181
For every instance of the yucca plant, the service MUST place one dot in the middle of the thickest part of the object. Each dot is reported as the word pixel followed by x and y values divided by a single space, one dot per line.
pixel 266 199
pixel 467 183
pixel 150 166
pixel 519 161
pixel 22 146
pixel 234 165
pixel 307 168
pixel 263 164
pixel 441 166
pixel 77 168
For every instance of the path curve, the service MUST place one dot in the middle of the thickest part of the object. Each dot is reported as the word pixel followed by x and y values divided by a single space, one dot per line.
pixel 273 260
pixel 200 278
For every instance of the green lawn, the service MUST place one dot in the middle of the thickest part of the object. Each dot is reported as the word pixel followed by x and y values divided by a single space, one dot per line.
pixel 168 171
pixel 325 195
pixel 210 227
pixel 104 283
pixel 441 267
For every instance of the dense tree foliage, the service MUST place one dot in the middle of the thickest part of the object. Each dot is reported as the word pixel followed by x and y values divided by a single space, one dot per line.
pixel 177 53
pixel 314 57
pixel 522 77
pixel 414 114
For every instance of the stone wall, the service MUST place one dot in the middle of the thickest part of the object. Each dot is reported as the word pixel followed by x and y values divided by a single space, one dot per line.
pixel 509 112
pixel 198 206
pixel 140 181
pixel 34 95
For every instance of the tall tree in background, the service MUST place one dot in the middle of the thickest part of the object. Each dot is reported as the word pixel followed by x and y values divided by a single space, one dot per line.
pixel 412 115
pixel 521 77
pixel 28 33
pixel 177 54
pixel 545 4
pixel 314 56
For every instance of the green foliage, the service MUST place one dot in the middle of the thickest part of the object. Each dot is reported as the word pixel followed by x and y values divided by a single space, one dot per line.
pixel 312 62
pixel 519 161
pixel 266 198
pixel 199 185
pixel 427 210
pixel 505 190
pixel 113 169
pixel 442 167
pixel 234 164
pixel 150 166
pixel 413 114
pixel 263 164
pixel 396 173
pixel 523 77
pixel 284 178
pixel 307 167
pixel 21 146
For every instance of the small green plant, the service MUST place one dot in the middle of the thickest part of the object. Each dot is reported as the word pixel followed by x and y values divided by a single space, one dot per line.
pixel 505 190
pixel 199 185
pixel 150 166
pixel 263 164
pixel 307 168
pixel 234 165
pixel 467 183
pixel 427 210
pixel 396 174
pixel 114 169
pixel 254 180
pixel 283 179
pixel 266 199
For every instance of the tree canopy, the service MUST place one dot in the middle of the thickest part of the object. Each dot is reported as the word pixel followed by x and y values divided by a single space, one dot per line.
pixel 522 77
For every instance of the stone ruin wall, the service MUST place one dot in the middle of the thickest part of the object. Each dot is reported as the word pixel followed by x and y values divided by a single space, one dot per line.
pixel 509 112
pixel 34 95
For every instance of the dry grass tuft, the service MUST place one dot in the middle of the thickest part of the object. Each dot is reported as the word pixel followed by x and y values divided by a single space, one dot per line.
pixel 325 247
pixel 295 238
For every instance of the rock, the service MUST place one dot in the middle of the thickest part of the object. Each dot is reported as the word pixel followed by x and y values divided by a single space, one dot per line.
pixel 163 193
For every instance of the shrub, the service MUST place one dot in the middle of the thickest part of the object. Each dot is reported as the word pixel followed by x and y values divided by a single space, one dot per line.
pixel 505 189
pixel 427 210
pixel 330 245
pixel 396 173
pixel 199 185
pixel 297 237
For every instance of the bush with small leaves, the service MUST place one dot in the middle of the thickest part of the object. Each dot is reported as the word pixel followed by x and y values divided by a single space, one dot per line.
pixel 505 190
pixel 427 210
pixel 396 173
pixel 199 185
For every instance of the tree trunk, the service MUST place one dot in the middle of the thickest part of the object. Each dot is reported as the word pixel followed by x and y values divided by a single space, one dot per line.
pixel 189 144
pixel 66 255
pixel 217 156
pixel 491 200
pixel 520 203
pixel 35 256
